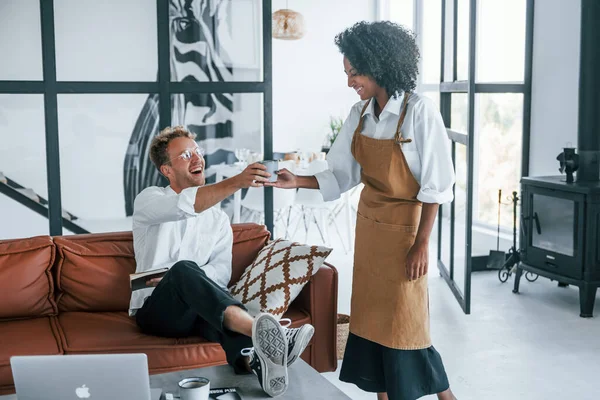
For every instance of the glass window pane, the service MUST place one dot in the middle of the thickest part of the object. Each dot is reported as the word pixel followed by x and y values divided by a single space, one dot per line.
pixel 460 224
pixel 108 40
pixel 19 221
pixel 459 117
pixel 498 133
pixel 21 55
pixel 22 163
pixel 462 41
pixel 401 12
pixel 23 150
pixel 104 141
pixel 216 41
pixel 501 57
pixel 431 41
pixel 449 43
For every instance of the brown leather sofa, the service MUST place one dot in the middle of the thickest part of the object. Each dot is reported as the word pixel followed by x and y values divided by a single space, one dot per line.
pixel 70 295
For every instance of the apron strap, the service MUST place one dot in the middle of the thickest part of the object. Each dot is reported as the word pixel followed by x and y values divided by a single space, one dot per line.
pixel 398 135
pixel 359 127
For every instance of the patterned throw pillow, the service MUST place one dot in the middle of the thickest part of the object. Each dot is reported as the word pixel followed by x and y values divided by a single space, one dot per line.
pixel 277 276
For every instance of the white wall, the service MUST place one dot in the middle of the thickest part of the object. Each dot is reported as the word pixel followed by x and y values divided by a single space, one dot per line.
pixel 309 84
pixel 555 86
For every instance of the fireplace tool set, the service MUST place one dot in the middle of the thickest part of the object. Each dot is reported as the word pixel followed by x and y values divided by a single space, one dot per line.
pixel 514 256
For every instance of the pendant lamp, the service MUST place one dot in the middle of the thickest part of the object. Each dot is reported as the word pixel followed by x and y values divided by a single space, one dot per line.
pixel 288 24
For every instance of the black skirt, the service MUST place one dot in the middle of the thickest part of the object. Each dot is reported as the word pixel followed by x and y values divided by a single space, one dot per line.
pixel 402 374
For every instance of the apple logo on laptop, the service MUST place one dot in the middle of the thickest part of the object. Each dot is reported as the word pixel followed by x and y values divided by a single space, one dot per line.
pixel 82 392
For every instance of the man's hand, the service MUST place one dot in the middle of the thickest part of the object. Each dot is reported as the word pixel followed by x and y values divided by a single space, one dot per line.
pixel 285 180
pixel 254 175
pixel 417 260
pixel 153 282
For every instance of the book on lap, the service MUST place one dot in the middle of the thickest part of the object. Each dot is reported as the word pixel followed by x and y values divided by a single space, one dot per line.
pixel 138 280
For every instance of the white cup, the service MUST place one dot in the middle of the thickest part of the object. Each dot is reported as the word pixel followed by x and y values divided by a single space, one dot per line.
pixel 271 168
pixel 194 388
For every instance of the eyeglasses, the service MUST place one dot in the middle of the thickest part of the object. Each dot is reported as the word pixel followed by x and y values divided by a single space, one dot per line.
pixel 189 153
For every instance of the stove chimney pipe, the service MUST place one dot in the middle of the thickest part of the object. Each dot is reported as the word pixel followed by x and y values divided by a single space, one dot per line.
pixel 588 135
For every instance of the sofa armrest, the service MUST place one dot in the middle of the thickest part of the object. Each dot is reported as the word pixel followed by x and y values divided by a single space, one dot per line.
pixel 319 298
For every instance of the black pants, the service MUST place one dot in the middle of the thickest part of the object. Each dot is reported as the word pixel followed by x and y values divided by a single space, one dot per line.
pixel 188 303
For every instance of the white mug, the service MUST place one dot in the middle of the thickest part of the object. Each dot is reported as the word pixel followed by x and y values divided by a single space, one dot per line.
pixel 271 168
pixel 194 388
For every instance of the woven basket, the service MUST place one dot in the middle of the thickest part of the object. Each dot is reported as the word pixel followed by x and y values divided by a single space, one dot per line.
pixel 343 329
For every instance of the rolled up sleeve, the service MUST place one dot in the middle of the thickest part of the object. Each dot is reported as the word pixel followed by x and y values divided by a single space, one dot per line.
pixel 437 170
pixel 344 171
pixel 155 206
pixel 328 185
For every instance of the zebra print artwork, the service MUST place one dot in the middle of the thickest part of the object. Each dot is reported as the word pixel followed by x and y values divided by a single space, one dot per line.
pixel 198 53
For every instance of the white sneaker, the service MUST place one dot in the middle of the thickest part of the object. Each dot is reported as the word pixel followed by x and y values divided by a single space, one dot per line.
pixel 268 358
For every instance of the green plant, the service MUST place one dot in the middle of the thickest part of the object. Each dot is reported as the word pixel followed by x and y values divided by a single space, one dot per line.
pixel 335 125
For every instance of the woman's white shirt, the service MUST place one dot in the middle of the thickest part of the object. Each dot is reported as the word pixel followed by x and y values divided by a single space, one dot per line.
pixel 428 155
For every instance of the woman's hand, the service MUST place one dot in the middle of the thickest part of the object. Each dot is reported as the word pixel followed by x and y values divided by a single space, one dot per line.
pixel 417 261
pixel 285 180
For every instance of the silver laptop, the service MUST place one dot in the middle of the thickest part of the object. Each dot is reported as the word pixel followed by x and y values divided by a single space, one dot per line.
pixel 93 377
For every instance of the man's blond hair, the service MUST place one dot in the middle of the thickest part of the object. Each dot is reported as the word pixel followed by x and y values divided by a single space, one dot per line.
pixel 158 147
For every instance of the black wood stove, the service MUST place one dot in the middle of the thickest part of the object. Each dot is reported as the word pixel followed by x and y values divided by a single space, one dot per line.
pixel 560 234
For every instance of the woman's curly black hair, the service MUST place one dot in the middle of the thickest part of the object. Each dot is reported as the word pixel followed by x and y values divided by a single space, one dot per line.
pixel 383 50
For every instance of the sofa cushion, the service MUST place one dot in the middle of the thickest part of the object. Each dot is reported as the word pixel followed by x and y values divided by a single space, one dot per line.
pixel 277 276
pixel 26 285
pixel 93 270
pixel 116 332
pixel 37 336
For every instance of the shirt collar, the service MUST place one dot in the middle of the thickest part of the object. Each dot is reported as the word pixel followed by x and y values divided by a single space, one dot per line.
pixel 394 105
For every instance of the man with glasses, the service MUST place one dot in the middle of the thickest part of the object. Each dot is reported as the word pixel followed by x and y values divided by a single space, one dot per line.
pixel 179 228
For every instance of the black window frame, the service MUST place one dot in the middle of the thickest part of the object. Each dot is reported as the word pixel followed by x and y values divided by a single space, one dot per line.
pixel 471 88
pixel 51 88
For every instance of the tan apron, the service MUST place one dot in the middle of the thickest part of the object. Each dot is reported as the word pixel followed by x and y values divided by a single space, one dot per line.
pixel 386 307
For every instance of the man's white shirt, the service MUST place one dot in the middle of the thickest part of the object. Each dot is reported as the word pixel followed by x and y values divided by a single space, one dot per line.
pixel 166 229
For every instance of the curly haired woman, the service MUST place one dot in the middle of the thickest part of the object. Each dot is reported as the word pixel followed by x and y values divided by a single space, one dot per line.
pixel 395 142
